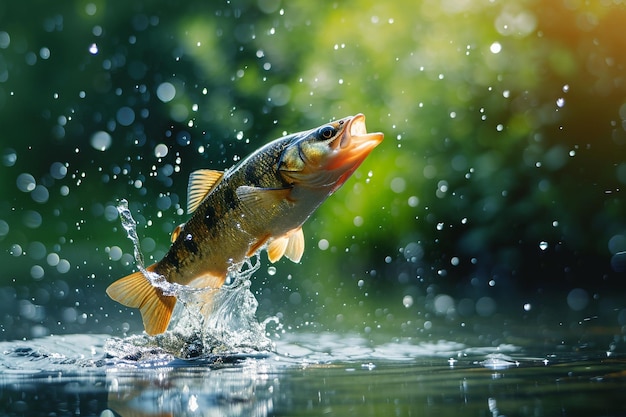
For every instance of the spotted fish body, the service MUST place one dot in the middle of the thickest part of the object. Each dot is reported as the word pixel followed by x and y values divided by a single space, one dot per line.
pixel 261 202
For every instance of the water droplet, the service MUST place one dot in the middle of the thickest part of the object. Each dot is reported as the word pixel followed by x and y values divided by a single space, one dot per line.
pixel 271 270
pixel 101 140
pixel 63 266
pixel 91 9
pixel 407 301
pixel 543 245
pixel 618 261
pixel 4 228
pixel 577 299
pixel 560 102
pixel 495 48
pixel 160 150
pixel 58 170
pixel 44 53
pixel 93 49
pixel 125 116
pixel 40 194
pixel 26 182
pixel 9 157
pixel 5 40
pixel 166 92
pixel 32 219
pixel 398 185
pixel 52 259
pixel 37 272
pixel 279 94
pixel 323 244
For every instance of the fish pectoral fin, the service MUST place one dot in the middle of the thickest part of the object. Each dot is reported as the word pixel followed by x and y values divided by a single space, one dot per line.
pixel 176 232
pixel 290 244
pixel 136 291
pixel 201 183
pixel 263 198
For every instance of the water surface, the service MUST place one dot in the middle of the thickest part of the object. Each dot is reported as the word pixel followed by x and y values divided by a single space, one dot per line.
pixel 308 374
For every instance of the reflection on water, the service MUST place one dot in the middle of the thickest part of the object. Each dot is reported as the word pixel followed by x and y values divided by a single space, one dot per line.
pixel 310 374
pixel 222 389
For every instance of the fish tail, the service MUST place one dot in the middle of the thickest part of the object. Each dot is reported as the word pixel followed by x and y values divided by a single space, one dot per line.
pixel 136 291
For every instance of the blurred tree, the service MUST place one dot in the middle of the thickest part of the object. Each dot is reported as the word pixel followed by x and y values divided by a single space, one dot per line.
pixel 501 170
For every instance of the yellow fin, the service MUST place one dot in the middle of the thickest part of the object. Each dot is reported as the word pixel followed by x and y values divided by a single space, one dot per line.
pixel 264 198
pixel 176 232
pixel 295 247
pixel 276 248
pixel 136 291
pixel 291 245
pixel 201 183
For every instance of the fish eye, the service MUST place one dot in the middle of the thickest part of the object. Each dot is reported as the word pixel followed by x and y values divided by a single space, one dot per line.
pixel 327 132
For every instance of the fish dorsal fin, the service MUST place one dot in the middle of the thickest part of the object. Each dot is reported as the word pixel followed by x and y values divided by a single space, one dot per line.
pixel 291 245
pixel 176 232
pixel 201 183
pixel 263 198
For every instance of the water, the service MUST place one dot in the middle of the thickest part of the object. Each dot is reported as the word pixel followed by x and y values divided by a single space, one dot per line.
pixel 223 361
pixel 308 374
pixel 205 320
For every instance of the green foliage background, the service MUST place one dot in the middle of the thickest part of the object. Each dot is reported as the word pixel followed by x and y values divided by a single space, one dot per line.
pixel 500 175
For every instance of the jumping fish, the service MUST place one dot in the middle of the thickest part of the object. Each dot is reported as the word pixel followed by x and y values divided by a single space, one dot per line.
pixel 259 203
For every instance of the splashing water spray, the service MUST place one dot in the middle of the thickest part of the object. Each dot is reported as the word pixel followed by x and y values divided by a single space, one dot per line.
pixel 227 324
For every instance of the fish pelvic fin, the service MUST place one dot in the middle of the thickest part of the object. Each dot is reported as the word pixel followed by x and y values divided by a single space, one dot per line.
pixel 290 245
pixel 136 291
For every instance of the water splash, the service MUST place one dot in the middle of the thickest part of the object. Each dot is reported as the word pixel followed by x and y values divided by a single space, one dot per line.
pixel 206 321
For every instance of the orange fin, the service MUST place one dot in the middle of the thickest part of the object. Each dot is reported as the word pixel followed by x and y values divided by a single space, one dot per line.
pixel 136 291
pixel 176 232
pixel 201 183
pixel 264 198
pixel 291 245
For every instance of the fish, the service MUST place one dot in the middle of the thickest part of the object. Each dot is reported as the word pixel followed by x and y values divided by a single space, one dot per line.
pixel 260 203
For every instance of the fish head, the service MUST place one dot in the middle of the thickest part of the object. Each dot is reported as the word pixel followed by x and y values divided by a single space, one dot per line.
pixel 327 156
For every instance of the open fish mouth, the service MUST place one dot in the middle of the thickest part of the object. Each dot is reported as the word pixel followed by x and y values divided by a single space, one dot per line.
pixel 355 128
pixel 354 143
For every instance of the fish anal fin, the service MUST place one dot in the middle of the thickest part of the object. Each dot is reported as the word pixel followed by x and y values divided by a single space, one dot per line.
pixel 136 291
pixel 263 198
pixel 290 245
pixel 201 183
pixel 276 248
pixel 295 246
